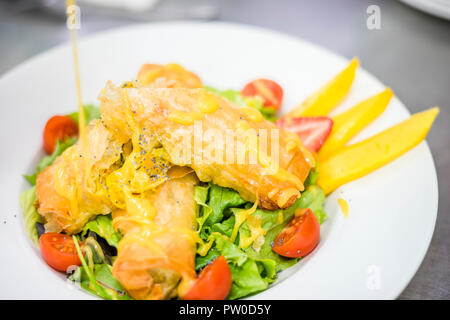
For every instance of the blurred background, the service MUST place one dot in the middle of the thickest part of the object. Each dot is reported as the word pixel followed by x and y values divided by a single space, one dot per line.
pixel 410 52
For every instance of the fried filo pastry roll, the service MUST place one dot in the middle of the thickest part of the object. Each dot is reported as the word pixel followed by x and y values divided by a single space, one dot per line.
pixel 156 256
pixel 167 76
pixel 72 190
pixel 220 141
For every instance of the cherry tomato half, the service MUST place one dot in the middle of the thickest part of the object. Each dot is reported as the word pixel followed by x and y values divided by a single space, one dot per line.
pixel 58 128
pixel 299 237
pixel 213 282
pixel 268 90
pixel 59 251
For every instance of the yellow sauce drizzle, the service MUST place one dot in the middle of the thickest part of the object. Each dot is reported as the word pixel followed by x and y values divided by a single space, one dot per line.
pixel 204 247
pixel 185 118
pixel 127 189
pixel 242 125
pixel 280 219
pixel 300 211
pixel 252 114
pixel 240 218
pixel 208 103
pixel 70 189
pixel 81 115
pixel 291 145
pixel 254 223
pixel 344 206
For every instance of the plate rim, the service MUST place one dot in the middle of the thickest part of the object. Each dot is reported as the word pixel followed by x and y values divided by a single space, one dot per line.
pixel 431 7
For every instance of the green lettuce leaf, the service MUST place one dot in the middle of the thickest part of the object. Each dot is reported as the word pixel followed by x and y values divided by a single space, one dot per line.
pixel 30 215
pixel 269 113
pixel 201 262
pixel 252 270
pixel 97 278
pixel 104 278
pixel 48 160
pixel 249 275
pixel 225 203
pixel 102 226
pixel 313 198
pixel 233 96
pixel 200 197
pixel 221 199
pixel 91 112
pixel 312 177
pixel 246 280
pixel 226 227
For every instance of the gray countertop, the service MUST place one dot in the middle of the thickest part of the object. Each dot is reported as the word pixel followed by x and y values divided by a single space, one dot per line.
pixel 410 53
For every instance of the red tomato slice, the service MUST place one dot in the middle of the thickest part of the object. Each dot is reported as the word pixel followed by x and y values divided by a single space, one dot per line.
pixel 299 237
pixel 59 251
pixel 58 128
pixel 313 131
pixel 213 282
pixel 268 90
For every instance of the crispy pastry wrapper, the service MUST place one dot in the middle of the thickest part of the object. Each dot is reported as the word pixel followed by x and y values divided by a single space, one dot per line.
pixel 153 110
pixel 72 190
pixel 156 259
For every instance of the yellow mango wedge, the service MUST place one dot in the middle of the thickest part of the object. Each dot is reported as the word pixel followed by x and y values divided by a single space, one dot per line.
pixel 347 124
pixel 357 160
pixel 328 97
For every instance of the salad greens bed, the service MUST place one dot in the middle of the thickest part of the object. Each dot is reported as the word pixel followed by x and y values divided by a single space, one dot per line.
pixel 253 268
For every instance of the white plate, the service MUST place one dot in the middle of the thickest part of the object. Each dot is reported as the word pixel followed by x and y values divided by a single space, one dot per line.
pixel 439 8
pixel 371 254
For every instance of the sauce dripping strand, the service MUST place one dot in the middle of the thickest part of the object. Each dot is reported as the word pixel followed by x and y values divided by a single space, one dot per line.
pixel 71 12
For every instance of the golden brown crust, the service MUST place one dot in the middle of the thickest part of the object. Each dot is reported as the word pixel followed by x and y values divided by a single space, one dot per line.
pixel 151 107
pixel 167 76
pixel 152 267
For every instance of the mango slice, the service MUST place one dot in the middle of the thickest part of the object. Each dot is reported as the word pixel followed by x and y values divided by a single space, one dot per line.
pixel 357 160
pixel 348 124
pixel 329 95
